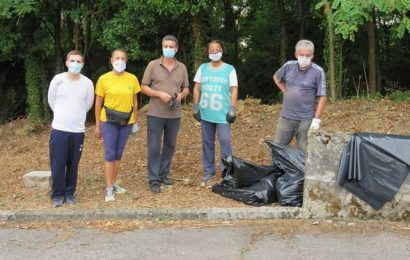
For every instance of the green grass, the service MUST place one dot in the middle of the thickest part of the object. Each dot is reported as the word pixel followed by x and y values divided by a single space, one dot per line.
pixel 399 96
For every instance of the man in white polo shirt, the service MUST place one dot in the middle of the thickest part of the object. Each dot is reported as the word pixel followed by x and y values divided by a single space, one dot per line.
pixel 70 96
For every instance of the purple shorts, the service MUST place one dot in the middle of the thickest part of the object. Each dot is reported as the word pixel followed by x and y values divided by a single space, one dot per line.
pixel 115 137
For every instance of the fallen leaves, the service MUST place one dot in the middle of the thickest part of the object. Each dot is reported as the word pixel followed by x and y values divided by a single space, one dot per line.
pixel 256 122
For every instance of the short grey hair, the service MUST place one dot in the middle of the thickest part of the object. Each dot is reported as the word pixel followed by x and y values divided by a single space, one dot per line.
pixel 305 44
pixel 170 38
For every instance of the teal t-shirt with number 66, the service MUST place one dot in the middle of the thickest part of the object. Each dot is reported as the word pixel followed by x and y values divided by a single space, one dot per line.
pixel 215 96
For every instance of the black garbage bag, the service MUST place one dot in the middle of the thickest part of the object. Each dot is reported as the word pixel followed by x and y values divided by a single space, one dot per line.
pixel 260 193
pixel 289 189
pixel 374 166
pixel 289 186
pixel 246 173
pixel 247 182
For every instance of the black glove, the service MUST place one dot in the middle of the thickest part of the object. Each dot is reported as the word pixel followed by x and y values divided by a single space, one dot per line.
pixel 196 113
pixel 173 104
pixel 231 116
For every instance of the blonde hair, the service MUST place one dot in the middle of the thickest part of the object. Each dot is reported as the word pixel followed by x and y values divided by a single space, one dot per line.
pixel 305 44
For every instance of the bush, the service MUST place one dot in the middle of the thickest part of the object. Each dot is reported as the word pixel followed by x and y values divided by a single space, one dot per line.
pixel 399 96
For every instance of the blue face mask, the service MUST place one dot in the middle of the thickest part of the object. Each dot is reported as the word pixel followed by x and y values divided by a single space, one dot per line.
pixel 168 52
pixel 74 67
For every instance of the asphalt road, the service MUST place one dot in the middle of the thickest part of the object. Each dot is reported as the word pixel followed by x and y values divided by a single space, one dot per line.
pixel 215 242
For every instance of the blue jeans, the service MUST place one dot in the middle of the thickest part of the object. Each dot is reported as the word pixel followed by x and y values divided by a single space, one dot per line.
pixel 65 153
pixel 115 138
pixel 287 128
pixel 208 144
pixel 161 131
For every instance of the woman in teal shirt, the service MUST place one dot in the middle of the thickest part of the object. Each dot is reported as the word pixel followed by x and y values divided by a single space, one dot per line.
pixel 215 99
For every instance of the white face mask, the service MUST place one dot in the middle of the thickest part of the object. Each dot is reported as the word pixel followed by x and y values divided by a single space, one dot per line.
pixel 215 56
pixel 304 61
pixel 119 65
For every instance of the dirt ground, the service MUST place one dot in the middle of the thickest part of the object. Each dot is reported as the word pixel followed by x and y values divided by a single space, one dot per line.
pixel 283 227
pixel 24 148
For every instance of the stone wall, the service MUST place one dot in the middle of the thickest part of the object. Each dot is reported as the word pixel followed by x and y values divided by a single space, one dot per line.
pixel 323 199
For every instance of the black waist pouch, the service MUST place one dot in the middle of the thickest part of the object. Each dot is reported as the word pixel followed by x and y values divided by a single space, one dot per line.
pixel 117 117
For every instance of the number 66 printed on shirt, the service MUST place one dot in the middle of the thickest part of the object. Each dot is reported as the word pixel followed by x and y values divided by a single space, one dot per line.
pixel 214 101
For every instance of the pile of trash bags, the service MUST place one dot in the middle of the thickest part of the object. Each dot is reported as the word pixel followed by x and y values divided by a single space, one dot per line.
pixel 258 185
pixel 373 167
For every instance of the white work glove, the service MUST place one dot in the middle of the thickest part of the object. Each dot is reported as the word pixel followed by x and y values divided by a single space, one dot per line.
pixel 135 128
pixel 315 124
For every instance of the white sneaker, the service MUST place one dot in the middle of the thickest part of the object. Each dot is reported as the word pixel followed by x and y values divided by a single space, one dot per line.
pixel 118 189
pixel 109 195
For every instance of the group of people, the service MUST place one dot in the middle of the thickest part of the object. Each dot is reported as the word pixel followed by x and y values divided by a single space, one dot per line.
pixel 165 81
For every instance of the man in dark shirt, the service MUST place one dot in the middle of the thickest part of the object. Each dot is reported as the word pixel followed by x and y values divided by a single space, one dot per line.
pixel 303 85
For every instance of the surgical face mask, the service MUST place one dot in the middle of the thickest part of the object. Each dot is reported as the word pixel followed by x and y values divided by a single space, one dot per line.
pixel 215 56
pixel 168 52
pixel 74 67
pixel 119 65
pixel 304 61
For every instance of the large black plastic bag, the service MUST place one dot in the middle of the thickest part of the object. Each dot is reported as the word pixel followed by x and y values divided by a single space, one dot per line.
pixel 289 186
pixel 246 173
pixel 374 166
pixel 261 193
pixel 247 182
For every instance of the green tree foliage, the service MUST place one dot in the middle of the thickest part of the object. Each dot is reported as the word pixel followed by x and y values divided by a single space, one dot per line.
pixel 55 27
pixel 19 20
pixel 348 16
pixel 139 25
pixel 34 78
pixel 259 36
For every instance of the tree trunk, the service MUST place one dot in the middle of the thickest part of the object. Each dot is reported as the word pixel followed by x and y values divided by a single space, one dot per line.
pixel 77 30
pixel 341 72
pixel 87 45
pixel 328 14
pixel 59 67
pixel 33 87
pixel 301 11
pixel 44 84
pixel 230 25
pixel 283 31
pixel 371 32
pixel 70 33
pixel 76 34
pixel 198 49
pixel 380 52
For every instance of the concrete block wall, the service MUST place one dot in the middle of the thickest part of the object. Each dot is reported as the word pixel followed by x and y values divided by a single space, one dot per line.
pixel 323 199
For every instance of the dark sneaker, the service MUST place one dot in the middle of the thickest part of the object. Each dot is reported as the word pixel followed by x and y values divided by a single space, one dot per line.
pixel 70 200
pixel 167 181
pixel 58 201
pixel 155 188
